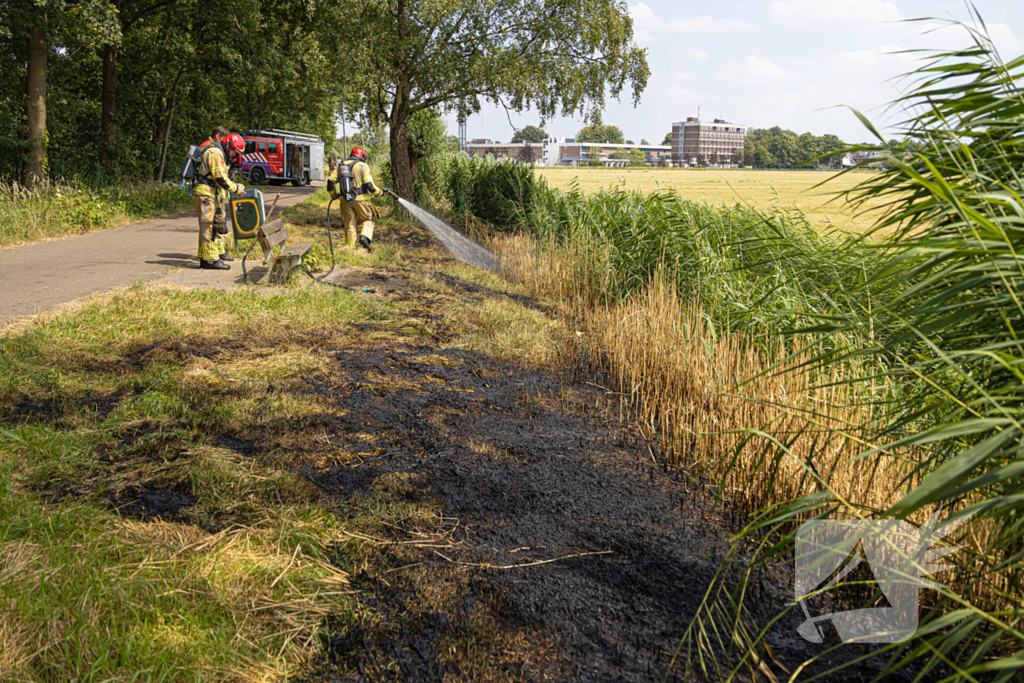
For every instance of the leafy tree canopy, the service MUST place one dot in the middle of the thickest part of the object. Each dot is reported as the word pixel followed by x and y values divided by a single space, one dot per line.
pixel 530 134
pixel 132 82
pixel 551 56
pixel 778 148
pixel 601 133
pixel 668 139
pixel 427 134
pixel 182 67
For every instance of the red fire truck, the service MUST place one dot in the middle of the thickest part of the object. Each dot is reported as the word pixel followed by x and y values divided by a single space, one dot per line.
pixel 282 156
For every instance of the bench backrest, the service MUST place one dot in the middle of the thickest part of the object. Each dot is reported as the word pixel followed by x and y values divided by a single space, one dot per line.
pixel 271 234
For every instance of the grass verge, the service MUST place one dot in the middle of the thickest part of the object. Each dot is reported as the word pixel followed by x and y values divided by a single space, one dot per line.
pixel 156 517
pixel 59 209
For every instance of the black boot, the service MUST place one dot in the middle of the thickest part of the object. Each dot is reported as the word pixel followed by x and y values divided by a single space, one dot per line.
pixel 225 257
pixel 213 265
pixel 364 242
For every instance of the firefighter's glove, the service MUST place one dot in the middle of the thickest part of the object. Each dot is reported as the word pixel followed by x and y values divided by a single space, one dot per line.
pixel 239 188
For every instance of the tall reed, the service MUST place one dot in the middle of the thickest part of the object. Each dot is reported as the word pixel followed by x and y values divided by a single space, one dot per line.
pixel 813 375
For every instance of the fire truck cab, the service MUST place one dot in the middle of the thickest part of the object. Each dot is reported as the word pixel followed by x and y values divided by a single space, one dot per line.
pixel 282 156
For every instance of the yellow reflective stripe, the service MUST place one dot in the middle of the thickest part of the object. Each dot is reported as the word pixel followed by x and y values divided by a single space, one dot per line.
pixel 216 166
pixel 362 177
pixel 361 171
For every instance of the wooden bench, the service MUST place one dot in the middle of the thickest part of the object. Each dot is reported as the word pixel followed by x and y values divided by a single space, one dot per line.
pixel 270 235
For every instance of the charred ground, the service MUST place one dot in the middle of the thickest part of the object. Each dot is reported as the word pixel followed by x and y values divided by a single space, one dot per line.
pixel 501 520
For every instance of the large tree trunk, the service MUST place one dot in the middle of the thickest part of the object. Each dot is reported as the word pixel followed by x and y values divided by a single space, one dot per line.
pixel 108 127
pixel 36 109
pixel 401 166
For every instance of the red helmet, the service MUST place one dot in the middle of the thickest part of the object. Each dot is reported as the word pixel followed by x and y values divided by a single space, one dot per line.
pixel 360 153
pixel 234 141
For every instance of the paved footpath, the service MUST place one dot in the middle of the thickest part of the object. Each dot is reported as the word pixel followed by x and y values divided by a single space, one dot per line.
pixel 35 278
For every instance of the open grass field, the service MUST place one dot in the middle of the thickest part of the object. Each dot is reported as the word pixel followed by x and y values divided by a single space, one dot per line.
pixel 758 189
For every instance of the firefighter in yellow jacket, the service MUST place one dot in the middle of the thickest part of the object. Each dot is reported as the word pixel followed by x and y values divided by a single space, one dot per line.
pixel 358 210
pixel 212 188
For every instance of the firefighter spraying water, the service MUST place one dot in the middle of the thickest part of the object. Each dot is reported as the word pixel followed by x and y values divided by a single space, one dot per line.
pixel 463 248
pixel 352 184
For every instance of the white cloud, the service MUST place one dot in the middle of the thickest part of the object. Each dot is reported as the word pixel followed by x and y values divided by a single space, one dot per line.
pixel 954 36
pixel 646 23
pixel 644 16
pixel 711 26
pixel 799 13
pixel 765 69
pixel 888 56
pixel 691 54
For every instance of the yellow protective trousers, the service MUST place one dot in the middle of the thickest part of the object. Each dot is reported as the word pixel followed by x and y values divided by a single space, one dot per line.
pixel 358 214
pixel 211 215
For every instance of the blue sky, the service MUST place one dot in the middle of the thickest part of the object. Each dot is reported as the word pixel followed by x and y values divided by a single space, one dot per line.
pixel 775 62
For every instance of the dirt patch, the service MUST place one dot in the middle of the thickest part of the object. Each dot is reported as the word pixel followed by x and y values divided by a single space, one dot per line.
pixel 25 410
pixel 153 503
pixel 386 284
pixel 405 235
pixel 558 529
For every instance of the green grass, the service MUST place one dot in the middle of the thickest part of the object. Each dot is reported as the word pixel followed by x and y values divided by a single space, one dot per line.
pixel 62 209
pixel 98 409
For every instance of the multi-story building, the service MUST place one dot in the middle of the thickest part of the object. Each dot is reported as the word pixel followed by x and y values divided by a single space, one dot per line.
pixel 557 151
pixel 718 143
pixel 529 152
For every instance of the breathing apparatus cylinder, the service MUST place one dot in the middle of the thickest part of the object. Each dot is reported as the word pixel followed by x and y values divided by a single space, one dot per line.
pixel 347 182
pixel 193 158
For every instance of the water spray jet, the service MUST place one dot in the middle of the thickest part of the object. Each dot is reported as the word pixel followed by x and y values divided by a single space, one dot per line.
pixel 460 246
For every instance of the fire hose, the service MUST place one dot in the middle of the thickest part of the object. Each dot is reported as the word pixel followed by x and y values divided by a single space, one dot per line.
pixel 330 242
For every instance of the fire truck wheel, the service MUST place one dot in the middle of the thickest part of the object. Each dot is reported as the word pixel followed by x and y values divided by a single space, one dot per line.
pixel 257 175
pixel 299 180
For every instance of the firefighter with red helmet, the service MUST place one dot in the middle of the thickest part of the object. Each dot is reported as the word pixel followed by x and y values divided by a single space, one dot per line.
pixel 357 209
pixel 212 188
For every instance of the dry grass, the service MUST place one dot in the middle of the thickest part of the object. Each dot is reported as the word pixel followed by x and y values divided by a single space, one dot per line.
pixel 758 189
pixel 711 398
pixel 732 409
pixel 505 330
